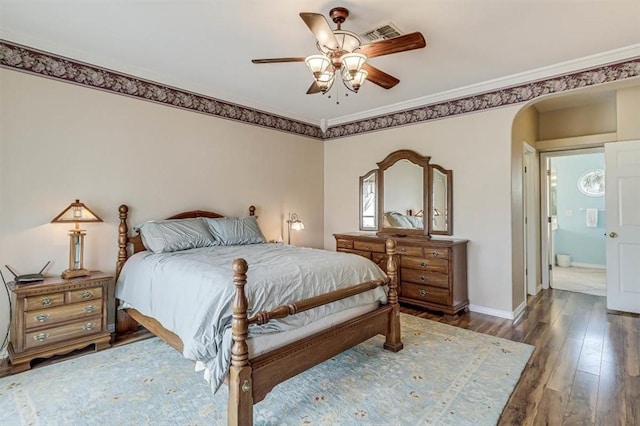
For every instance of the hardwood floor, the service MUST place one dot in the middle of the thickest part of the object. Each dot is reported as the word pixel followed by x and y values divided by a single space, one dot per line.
pixel 585 369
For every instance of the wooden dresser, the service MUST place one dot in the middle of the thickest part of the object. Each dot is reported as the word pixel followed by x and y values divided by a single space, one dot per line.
pixel 56 316
pixel 433 272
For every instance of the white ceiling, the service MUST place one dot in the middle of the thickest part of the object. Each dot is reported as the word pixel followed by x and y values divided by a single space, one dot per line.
pixel 206 46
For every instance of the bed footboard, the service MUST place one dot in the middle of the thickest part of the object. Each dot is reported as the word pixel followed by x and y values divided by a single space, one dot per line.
pixel 251 380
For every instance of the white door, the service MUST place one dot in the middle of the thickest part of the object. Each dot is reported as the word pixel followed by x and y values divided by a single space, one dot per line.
pixel 622 189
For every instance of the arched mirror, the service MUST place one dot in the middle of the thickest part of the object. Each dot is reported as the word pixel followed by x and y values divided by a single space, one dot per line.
pixel 369 201
pixel 441 203
pixel 403 182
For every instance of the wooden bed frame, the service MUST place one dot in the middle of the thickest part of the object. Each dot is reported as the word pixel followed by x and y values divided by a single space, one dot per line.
pixel 251 379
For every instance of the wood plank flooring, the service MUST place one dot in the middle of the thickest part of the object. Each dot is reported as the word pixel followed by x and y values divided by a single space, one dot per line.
pixel 585 369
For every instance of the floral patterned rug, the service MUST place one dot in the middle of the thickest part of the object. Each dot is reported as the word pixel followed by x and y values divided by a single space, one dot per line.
pixel 444 375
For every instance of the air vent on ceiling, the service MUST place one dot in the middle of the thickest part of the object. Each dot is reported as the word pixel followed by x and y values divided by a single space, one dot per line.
pixel 382 32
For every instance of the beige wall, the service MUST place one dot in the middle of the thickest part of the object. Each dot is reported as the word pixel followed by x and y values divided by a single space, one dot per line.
pixel 477 147
pixel 578 121
pixel 628 117
pixel 59 142
pixel 525 129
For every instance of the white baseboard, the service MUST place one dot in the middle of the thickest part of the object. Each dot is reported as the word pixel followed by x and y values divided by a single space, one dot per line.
pixel 496 312
pixel 589 265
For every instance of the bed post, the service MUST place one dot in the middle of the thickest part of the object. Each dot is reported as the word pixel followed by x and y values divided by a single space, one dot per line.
pixel 240 404
pixel 394 340
pixel 123 235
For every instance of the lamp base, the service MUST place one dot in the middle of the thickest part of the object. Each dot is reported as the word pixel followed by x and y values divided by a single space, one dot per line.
pixel 73 273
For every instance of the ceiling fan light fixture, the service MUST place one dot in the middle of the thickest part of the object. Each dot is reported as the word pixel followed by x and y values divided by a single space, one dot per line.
pixel 358 79
pixel 325 80
pixel 356 82
pixel 317 64
pixel 352 63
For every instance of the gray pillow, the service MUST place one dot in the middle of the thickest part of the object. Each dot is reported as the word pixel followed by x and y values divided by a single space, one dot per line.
pixel 165 236
pixel 230 231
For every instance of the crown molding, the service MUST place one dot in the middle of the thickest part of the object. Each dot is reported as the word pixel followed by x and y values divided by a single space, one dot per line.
pixel 600 59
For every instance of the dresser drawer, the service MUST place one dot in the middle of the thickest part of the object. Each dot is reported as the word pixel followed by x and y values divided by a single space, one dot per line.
pixel 364 245
pixel 83 295
pixel 436 253
pixel 409 251
pixel 44 317
pixel 342 243
pixel 45 301
pixel 63 333
pixel 366 254
pixel 423 277
pixel 432 265
pixel 425 293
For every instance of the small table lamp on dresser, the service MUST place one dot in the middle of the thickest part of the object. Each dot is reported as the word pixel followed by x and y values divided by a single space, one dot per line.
pixel 76 212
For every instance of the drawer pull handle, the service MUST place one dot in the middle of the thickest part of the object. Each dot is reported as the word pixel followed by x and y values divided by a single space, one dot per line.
pixel 423 293
pixel 46 301
pixel 90 308
pixel 367 248
pixel 86 294
pixel 423 264
pixel 402 250
pixel 435 253
pixel 41 337
pixel 423 278
pixel 41 317
pixel 89 326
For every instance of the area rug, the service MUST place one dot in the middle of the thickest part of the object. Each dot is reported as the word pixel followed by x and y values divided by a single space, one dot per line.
pixel 444 375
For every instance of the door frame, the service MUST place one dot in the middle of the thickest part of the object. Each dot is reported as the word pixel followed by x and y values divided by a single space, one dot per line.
pixel 529 219
pixel 545 184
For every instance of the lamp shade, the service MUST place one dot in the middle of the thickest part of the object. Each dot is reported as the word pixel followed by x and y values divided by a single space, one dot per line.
pixel 352 63
pixel 76 212
pixel 359 79
pixel 325 80
pixel 317 64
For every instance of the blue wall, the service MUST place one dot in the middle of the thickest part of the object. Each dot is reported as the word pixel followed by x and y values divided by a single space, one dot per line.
pixel 573 237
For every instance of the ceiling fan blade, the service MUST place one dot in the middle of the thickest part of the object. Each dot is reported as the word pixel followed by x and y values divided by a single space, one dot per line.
pixel 393 45
pixel 276 60
pixel 313 89
pixel 320 29
pixel 379 77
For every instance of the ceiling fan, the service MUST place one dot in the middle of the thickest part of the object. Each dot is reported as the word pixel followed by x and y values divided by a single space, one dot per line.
pixel 343 56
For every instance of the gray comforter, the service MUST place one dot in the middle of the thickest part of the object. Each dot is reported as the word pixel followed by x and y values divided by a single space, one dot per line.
pixel 190 292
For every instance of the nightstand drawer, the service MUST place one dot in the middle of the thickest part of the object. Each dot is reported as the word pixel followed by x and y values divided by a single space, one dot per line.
pixel 45 301
pixel 44 317
pixel 425 293
pixel 365 245
pixel 433 265
pixel 58 334
pixel 366 254
pixel 423 277
pixel 83 295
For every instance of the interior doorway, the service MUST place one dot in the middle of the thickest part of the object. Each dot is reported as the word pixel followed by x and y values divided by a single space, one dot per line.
pixel 573 211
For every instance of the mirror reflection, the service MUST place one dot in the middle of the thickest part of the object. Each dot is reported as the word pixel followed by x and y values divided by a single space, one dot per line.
pixel 404 195
pixel 369 201
pixel 439 201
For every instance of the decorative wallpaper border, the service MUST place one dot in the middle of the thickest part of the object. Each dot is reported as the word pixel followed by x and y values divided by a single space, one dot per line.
pixel 497 98
pixel 22 58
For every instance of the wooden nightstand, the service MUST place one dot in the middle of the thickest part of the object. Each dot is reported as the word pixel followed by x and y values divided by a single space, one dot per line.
pixel 57 316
